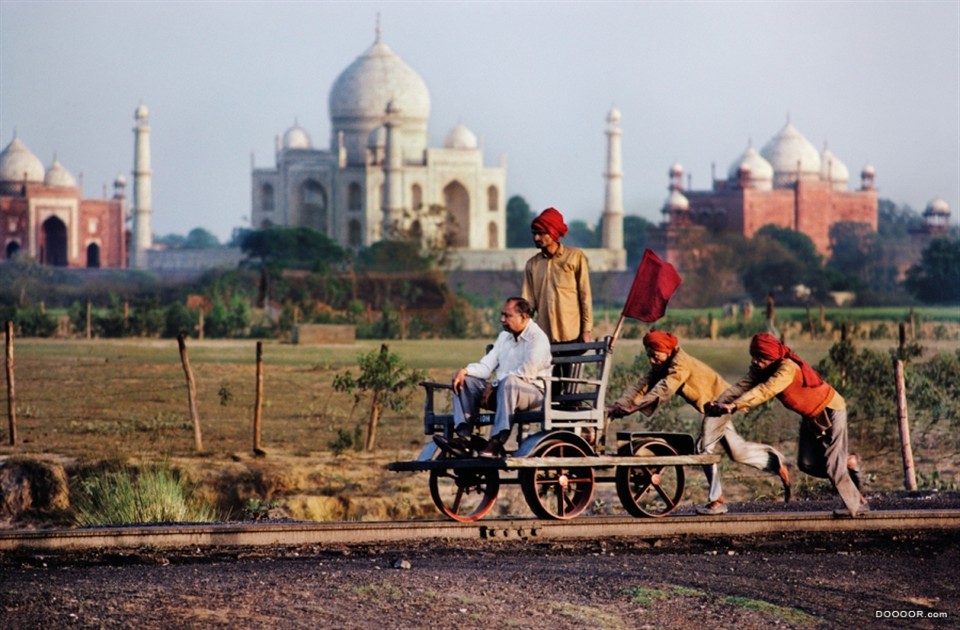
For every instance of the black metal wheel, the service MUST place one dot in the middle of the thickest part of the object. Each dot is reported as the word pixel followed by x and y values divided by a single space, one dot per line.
pixel 651 490
pixel 464 494
pixel 557 492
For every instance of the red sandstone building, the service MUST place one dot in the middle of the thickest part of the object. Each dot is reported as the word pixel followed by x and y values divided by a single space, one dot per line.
pixel 43 215
pixel 788 184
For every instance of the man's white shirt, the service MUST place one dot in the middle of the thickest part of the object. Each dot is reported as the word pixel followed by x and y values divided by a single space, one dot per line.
pixel 527 356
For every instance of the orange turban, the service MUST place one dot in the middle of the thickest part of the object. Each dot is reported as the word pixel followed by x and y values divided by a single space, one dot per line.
pixel 660 341
pixel 550 221
pixel 766 346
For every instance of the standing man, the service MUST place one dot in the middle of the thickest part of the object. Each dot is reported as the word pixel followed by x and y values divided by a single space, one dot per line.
pixel 673 371
pixel 822 450
pixel 506 379
pixel 556 282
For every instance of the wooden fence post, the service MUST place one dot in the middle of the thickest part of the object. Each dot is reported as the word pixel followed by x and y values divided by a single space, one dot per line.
pixel 191 392
pixel 11 390
pixel 258 401
pixel 903 422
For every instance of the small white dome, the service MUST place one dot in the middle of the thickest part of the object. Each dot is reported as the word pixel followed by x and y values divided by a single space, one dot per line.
pixel 296 137
pixel 832 169
pixel 18 162
pixel 760 169
pixel 377 138
pixel 868 170
pixel 789 152
pixel 59 177
pixel 937 206
pixel 460 138
pixel 614 116
pixel 142 113
pixel 120 180
pixel 676 169
pixel 676 201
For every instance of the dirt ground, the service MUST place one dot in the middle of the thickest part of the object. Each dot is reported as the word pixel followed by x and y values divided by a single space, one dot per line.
pixel 877 580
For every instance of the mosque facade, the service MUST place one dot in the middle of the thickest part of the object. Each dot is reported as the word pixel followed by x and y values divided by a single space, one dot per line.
pixel 788 183
pixel 43 214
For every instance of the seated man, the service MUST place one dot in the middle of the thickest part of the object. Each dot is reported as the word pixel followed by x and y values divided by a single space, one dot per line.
pixel 520 357
pixel 674 372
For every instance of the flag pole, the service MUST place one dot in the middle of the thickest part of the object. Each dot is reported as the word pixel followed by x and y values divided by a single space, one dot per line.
pixel 616 331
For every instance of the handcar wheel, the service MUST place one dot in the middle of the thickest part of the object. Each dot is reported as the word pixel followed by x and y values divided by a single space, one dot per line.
pixel 653 490
pixel 557 492
pixel 464 494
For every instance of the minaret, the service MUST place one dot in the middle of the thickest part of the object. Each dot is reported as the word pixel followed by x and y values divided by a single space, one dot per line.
pixel 392 186
pixel 612 237
pixel 142 174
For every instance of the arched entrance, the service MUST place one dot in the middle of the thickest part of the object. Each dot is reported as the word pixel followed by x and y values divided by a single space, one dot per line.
pixel 313 206
pixel 13 248
pixel 93 256
pixel 53 246
pixel 457 201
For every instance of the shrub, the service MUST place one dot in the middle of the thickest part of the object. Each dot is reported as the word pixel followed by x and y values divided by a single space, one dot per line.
pixel 151 495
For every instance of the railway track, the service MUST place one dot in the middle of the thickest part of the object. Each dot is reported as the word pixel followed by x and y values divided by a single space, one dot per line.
pixel 511 529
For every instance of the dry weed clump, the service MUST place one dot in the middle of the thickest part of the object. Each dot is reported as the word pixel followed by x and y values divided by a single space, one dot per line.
pixel 32 486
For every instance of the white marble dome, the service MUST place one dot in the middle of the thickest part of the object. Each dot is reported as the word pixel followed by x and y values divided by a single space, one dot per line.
pixel 676 201
pixel 833 169
pixel 460 138
pixel 296 137
pixel 614 116
pixel 141 113
pixel 18 162
pixel 375 78
pixel 937 206
pixel 59 177
pixel 377 138
pixel 676 170
pixel 788 149
pixel 761 171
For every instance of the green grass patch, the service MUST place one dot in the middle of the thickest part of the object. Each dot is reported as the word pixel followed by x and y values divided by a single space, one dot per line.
pixel 791 616
pixel 151 495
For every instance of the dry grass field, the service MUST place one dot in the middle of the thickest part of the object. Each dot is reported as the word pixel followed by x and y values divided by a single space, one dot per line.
pixel 125 401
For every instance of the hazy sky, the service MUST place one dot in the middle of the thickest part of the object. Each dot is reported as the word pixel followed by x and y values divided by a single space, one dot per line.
pixel 694 81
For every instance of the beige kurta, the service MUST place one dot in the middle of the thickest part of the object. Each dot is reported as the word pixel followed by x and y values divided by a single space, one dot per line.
pixel 558 289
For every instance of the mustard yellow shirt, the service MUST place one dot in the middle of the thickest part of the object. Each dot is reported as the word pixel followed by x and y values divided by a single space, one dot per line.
pixel 558 289
pixel 691 378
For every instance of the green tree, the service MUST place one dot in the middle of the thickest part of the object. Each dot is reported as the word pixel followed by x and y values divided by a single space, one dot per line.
pixel 780 259
pixel 581 234
pixel 291 248
pixel 386 256
pixel 200 238
pixel 519 217
pixel 937 277
pixel 388 381
pixel 797 242
pixel 636 231
pixel 180 320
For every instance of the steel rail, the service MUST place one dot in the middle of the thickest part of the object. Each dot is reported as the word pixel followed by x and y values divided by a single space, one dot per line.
pixel 526 529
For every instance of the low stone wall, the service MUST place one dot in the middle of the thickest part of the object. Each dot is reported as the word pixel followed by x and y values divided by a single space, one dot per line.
pixel 324 333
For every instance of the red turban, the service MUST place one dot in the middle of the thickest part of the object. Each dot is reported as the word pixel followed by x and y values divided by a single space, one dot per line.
pixel 550 222
pixel 660 341
pixel 766 346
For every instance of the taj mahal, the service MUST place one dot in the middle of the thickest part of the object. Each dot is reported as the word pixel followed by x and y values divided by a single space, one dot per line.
pixel 380 179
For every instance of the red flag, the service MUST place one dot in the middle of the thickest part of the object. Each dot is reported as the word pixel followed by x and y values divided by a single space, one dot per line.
pixel 654 285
